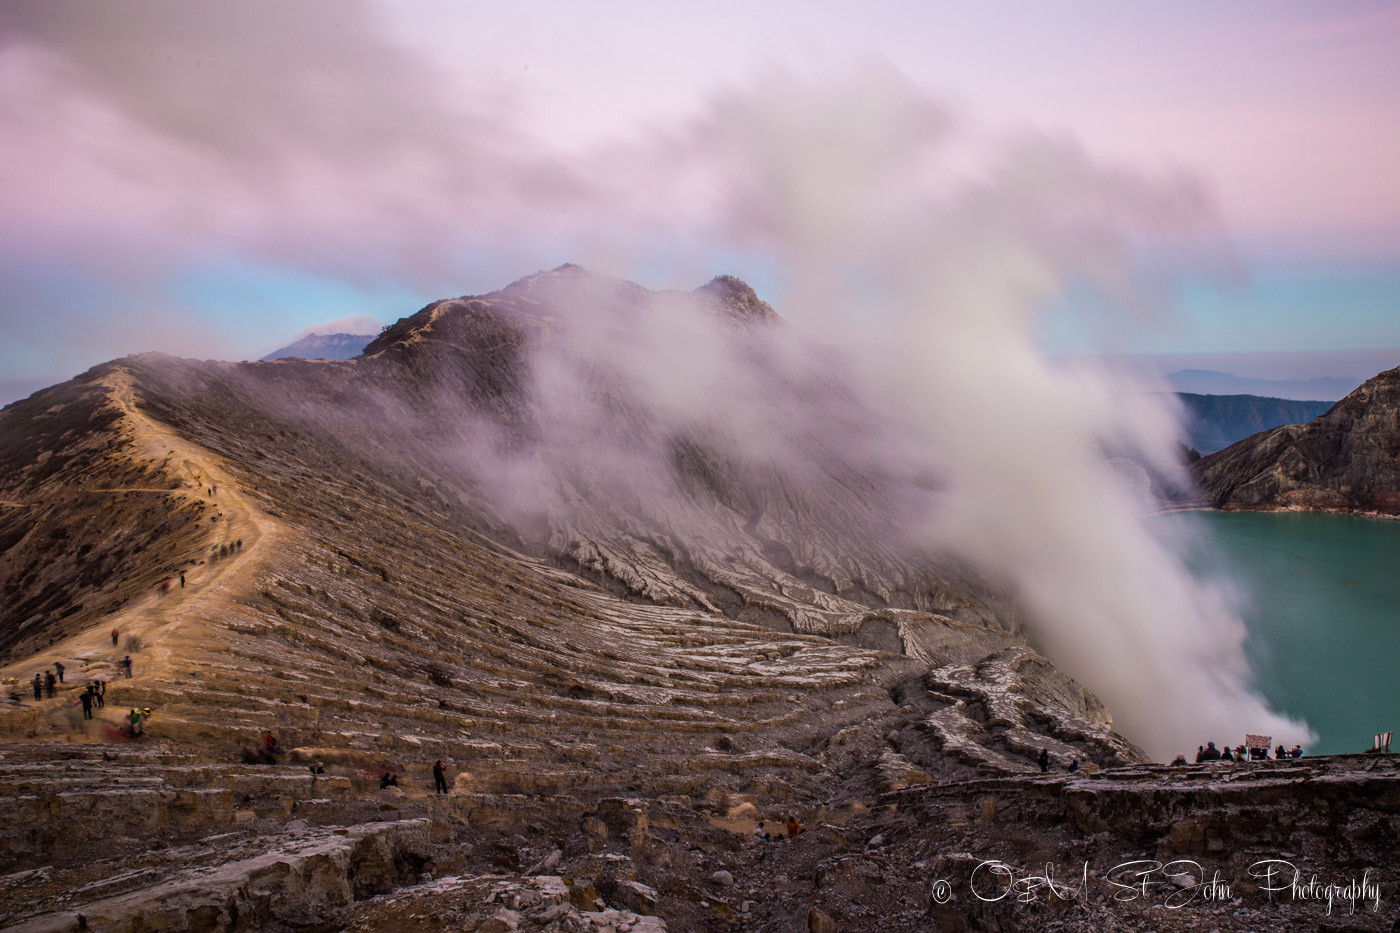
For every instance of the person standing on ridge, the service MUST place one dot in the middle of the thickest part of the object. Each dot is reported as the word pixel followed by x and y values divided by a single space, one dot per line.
pixel 440 777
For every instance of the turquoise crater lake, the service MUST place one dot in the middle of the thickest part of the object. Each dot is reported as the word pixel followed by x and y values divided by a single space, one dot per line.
pixel 1323 615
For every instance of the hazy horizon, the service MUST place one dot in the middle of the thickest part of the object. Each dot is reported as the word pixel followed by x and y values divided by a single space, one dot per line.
pixel 206 180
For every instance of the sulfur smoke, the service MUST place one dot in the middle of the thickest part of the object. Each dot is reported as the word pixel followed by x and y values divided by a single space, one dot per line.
pixel 918 250
pixel 926 256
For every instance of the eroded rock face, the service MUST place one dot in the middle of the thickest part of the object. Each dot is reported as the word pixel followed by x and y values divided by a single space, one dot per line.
pixel 1345 459
pixel 303 879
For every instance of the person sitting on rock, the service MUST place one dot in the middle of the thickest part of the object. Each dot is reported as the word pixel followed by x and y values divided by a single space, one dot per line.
pixel 389 779
pixel 1179 760
pixel 1297 752
pixel 1225 754
pixel 794 827
pixel 1074 766
pixel 1211 753
pixel 1200 753
pixel 270 748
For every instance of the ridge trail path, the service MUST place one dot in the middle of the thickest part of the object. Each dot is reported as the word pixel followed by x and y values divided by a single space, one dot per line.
pixel 154 618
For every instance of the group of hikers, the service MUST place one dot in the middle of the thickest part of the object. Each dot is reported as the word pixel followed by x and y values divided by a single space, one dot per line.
pixel 271 753
pixel 46 683
pixel 217 551
pixel 125 663
pixel 93 695
pixel 1208 752
pixel 1044 762
pixel 390 779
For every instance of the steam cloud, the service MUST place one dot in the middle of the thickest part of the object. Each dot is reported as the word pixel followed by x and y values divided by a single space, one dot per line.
pixel 925 250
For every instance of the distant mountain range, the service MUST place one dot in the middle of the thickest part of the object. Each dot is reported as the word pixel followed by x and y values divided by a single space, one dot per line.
pixel 1210 382
pixel 1217 421
pixel 323 347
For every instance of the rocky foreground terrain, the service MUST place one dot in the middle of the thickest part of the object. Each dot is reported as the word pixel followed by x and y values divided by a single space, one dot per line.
pixel 1346 459
pixel 631 654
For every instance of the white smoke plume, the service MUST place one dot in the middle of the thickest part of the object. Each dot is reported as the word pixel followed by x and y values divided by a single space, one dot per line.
pixel 923 249
pixel 928 255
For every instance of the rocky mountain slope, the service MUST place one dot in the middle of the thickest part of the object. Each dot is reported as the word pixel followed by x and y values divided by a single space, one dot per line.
pixel 1346 459
pixel 631 626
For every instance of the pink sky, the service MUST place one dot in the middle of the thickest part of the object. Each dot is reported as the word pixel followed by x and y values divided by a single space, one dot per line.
pixel 162 162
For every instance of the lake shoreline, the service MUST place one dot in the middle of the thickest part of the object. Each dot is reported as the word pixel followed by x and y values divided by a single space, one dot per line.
pixel 1276 509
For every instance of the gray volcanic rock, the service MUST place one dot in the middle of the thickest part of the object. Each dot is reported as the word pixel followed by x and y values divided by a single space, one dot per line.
pixel 1346 459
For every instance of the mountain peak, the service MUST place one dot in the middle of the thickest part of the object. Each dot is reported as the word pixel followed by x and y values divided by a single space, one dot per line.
pixel 738 299
pixel 323 347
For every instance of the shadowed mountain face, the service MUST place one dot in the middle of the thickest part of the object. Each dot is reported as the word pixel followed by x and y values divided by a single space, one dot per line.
pixel 1347 458
pixel 1214 422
